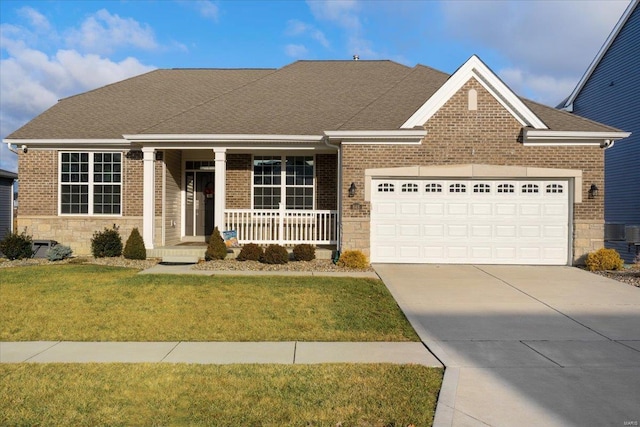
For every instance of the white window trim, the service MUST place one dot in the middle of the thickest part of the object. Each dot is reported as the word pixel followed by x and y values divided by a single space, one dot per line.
pixel 90 184
pixel 283 178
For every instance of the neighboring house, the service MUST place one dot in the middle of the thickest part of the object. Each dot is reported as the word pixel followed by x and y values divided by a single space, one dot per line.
pixel 609 92
pixel 407 164
pixel 6 202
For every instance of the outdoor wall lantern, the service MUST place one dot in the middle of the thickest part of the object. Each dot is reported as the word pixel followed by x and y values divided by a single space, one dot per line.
pixel 593 191
pixel 352 190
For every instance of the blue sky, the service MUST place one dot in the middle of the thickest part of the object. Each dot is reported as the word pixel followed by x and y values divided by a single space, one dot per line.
pixel 54 49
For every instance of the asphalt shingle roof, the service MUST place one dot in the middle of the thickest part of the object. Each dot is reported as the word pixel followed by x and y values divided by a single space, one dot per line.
pixel 303 98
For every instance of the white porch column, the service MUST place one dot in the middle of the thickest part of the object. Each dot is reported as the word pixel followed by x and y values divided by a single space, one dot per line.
pixel 220 188
pixel 148 199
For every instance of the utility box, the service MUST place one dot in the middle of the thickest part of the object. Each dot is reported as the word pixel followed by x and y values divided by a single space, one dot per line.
pixel 40 247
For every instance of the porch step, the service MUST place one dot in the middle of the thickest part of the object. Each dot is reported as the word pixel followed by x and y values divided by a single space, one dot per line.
pixel 180 259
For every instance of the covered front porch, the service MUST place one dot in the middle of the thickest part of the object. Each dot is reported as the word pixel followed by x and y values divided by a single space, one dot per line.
pixel 271 193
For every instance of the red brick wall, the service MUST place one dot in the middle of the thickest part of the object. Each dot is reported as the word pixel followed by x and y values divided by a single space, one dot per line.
pixel 38 178
pixel 238 183
pixel 326 181
pixel 489 135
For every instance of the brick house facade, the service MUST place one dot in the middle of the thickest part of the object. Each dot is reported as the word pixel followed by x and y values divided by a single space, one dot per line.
pixel 308 169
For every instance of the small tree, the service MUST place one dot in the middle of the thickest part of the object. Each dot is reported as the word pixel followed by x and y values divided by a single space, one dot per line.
pixel 134 248
pixel 216 248
pixel 16 246
pixel 106 243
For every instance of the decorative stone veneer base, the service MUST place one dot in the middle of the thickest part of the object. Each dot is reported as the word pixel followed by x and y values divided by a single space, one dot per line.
pixel 588 236
pixel 76 232
pixel 356 234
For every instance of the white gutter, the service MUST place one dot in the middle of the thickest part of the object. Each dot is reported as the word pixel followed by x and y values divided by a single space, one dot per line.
pixel 13 150
pixel 535 137
pixel 404 136
pixel 223 138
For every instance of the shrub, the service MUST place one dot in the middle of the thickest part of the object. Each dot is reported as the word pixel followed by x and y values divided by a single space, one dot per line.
pixel 304 252
pixel 216 248
pixel 134 248
pixel 250 252
pixel 106 243
pixel 604 259
pixel 16 246
pixel 59 252
pixel 275 254
pixel 353 259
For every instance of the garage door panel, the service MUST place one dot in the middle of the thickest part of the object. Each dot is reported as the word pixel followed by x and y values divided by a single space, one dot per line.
pixel 433 230
pixel 433 208
pixel 506 209
pixel 411 209
pixel 457 208
pixel 481 230
pixel 455 230
pixel 492 222
pixel 481 209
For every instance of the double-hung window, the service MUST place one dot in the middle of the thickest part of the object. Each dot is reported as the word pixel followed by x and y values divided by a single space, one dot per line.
pixel 283 179
pixel 90 183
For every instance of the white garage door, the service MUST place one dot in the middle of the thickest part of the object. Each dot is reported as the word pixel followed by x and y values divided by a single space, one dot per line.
pixel 470 221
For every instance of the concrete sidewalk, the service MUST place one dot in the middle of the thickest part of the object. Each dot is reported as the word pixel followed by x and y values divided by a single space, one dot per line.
pixel 289 352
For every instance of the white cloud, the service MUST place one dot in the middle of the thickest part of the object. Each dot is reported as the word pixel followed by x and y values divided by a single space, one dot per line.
pixel 103 32
pixel 32 81
pixel 35 18
pixel 207 9
pixel 345 14
pixel 299 28
pixel 547 44
pixel 295 50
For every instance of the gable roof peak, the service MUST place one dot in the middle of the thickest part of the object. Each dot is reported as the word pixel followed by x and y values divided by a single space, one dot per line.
pixel 475 68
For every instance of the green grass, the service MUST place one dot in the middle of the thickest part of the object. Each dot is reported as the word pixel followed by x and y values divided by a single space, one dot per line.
pixel 97 303
pixel 206 395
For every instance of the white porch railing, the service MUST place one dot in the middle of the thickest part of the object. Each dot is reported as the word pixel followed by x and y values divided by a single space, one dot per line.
pixel 283 226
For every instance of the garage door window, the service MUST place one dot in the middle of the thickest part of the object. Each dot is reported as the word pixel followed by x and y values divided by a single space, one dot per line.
pixel 433 188
pixel 506 188
pixel 457 188
pixel 410 188
pixel 386 187
pixel 555 188
pixel 482 188
pixel 530 188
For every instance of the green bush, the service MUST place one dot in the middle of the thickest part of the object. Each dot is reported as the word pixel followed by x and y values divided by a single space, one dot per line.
pixel 604 259
pixel 16 246
pixel 304 252
pixel 250 252
pixel 275 254
pixel 353 259
pixel 216 248
pixel 106 243
pixel 59 252
pixel 134 248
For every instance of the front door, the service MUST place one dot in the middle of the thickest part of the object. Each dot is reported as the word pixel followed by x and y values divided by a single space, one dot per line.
pixel 199 204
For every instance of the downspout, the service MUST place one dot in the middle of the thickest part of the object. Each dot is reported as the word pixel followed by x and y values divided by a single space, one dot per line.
pixel 12 149
pixel 338 148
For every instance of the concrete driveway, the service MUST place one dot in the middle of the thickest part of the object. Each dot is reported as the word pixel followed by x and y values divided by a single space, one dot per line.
pixel 526 345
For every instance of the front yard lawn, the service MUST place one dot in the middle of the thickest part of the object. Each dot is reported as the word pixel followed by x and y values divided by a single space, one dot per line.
pixel 97 303
pixel 210 395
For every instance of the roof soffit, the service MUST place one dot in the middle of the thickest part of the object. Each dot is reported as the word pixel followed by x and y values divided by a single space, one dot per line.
pixel 475 68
